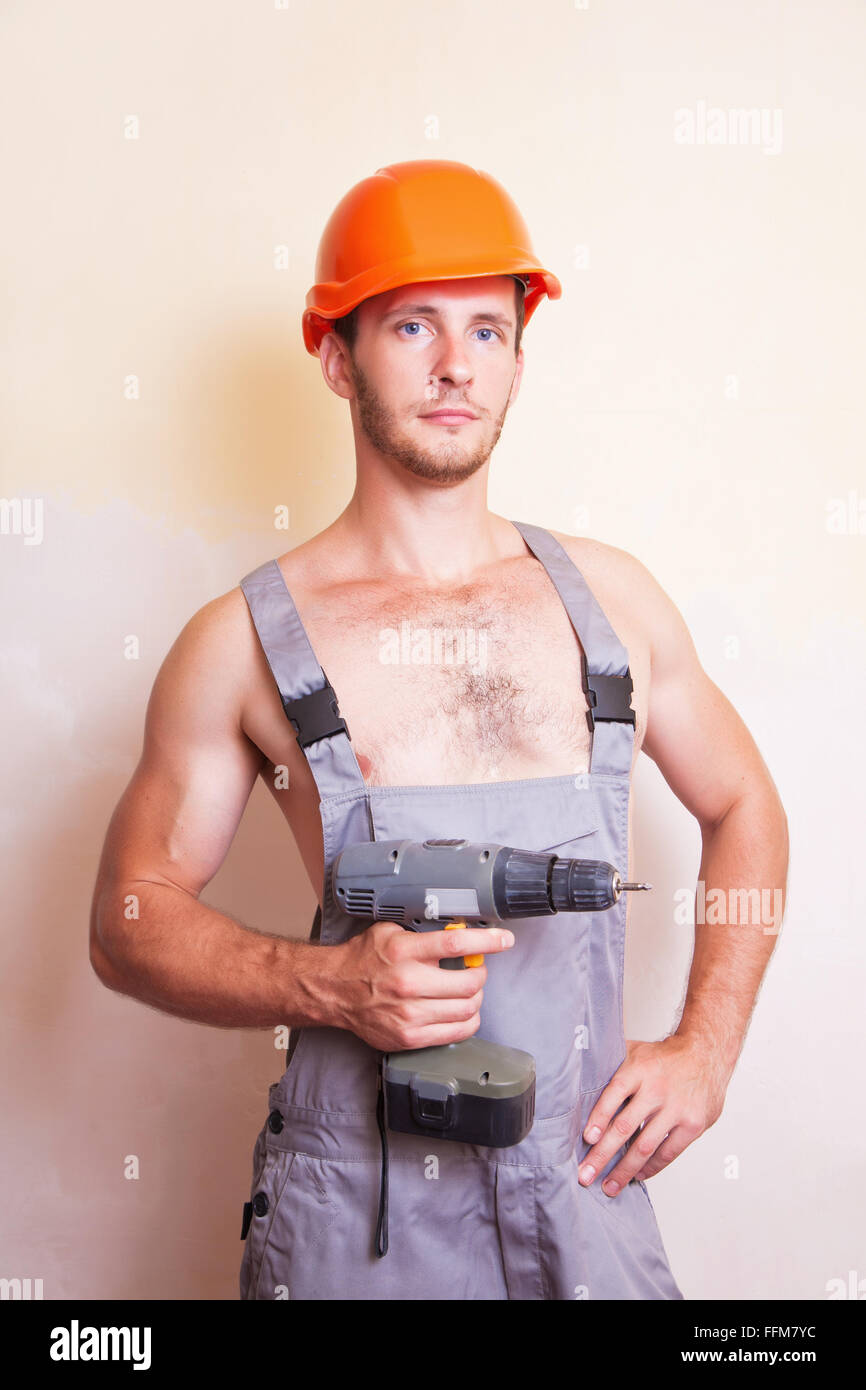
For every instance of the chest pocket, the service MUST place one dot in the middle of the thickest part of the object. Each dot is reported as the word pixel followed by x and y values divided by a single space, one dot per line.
pixel 568 826
pixel 525 815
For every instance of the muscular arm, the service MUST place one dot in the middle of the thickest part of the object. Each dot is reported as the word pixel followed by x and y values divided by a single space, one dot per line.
pixel 665 1094
pixel 711 762
pixel 150 937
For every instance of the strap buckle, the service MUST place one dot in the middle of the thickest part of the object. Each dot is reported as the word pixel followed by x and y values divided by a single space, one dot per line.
pixel 316 716
pixel 609 699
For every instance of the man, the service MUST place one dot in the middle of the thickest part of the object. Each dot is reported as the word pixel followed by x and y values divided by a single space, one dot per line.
pixel 578 659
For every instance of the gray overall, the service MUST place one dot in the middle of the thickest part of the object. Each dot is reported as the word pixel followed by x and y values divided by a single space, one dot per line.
pixel 466 1222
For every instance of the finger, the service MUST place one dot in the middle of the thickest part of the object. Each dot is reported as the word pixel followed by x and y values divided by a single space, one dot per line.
pixel 436 1035
pixel 673 1146
pixel 618 1089
pixel 425 980
pixel 622 1126
pixel 460 941
pixel 424 1013
pixel 638 1154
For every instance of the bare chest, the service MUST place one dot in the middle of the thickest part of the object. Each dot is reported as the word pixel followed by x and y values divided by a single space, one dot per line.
pixel 478 685
pixel 481 685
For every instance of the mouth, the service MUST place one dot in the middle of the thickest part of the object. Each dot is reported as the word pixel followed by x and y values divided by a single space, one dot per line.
pixel 449 417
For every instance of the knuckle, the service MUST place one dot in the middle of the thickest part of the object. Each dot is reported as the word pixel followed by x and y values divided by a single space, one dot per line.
pixel 390 947
pixel 401 985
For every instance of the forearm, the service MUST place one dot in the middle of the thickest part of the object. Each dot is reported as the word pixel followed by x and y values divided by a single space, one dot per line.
pixel 188 959
pixel 739 908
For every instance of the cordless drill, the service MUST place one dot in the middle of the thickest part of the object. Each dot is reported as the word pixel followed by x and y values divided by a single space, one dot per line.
pixel 475 1092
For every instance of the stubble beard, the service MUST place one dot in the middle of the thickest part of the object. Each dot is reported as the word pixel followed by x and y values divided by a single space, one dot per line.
pixel 446 462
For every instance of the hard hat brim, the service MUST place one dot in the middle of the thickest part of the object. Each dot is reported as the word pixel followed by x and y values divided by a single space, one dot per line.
pixel 328 301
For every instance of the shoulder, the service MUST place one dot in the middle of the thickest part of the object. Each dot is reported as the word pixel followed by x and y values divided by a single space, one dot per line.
pixel 628 591
pixel 220 622
pixel 216 656
pixel 228 617
pixel 616 570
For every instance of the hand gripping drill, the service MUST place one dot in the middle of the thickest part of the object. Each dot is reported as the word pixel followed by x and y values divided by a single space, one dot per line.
pixel 474 1091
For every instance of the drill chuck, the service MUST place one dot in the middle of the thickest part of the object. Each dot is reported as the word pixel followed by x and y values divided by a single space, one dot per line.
pixel 583 885
pixel 533 885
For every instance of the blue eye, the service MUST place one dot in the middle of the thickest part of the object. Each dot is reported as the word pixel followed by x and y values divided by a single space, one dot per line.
pixel 414 323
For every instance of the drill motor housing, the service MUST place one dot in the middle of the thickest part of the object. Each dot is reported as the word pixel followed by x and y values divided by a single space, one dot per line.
pixel 422 885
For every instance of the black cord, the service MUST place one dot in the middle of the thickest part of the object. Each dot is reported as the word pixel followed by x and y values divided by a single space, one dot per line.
pixel 382 1223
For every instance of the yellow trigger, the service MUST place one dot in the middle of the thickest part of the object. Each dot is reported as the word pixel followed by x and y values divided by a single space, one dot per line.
pixel 467 960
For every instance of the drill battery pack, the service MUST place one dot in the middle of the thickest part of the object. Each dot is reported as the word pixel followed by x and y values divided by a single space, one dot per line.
pixel 474 1092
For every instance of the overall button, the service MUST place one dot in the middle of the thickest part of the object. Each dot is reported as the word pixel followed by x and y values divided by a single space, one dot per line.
pixel 275 1122
pixel 261 1204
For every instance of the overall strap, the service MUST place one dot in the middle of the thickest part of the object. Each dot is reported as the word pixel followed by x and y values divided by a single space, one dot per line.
pixel 606 677
pixel 308 699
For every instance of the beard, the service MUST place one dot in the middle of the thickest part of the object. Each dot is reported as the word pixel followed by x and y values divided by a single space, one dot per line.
pixel 445 462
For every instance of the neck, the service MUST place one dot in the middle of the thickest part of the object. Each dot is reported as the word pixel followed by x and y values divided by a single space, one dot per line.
pixel 403 526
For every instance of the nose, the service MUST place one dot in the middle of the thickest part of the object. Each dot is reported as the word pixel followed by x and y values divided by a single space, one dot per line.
pixel 452 362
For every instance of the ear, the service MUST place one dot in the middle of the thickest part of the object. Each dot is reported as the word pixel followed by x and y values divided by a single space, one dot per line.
pixel 518 376
pixel 336 365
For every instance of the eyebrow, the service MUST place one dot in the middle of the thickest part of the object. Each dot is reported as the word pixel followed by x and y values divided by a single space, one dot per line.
pixel 491 316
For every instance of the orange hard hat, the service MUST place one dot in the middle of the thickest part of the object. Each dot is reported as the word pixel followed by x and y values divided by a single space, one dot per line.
pixel 425 219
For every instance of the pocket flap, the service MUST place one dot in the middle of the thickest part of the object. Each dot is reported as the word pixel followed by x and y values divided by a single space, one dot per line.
pixel 536 814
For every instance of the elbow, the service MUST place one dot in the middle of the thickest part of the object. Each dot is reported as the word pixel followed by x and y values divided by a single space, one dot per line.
pixel 102 967
pixel 760 809
pixel 100 964
pixel 776 816
pixel 103 950
pixel 105 973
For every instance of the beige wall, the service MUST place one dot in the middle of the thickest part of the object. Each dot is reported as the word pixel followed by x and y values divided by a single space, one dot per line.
pixel 694 397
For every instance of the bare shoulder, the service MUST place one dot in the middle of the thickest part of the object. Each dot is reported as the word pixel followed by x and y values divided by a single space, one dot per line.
pixel 618 579
pixel 217 658
pixel 607 564
pixel 629 593
pixel 222 627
